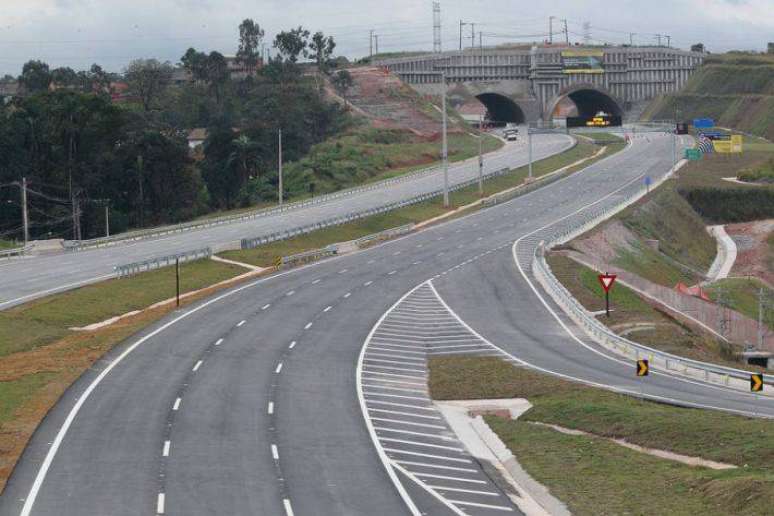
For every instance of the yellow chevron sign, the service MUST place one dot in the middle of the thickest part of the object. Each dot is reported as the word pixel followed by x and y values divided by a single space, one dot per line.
pixel 278 261
pixel 756 382
pixel 642 368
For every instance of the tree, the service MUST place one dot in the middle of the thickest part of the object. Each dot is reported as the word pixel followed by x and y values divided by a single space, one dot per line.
pixel 217 74
pixel 292 44
pixel 195 63
pixel 35 76
pixel 243 157
pixel 148 78
pixel 64 77
pixel 343 81
pixel 250 37
pixel 322 49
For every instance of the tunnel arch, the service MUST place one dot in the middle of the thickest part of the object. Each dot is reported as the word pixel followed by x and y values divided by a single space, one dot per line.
pixel 588 100
pixel 501 109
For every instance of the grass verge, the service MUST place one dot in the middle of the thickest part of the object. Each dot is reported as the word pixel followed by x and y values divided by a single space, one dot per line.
pixel 742 295
pixel 594 476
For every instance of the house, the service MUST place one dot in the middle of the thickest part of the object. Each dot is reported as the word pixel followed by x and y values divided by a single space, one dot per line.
pixel 8 90
pixel 196 137
pixel 238 70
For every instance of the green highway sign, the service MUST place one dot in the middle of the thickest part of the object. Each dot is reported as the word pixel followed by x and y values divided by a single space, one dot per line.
pixel 692 154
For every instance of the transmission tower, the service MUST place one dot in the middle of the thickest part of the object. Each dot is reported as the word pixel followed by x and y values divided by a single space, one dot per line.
pixel 586 33
pixel 437 27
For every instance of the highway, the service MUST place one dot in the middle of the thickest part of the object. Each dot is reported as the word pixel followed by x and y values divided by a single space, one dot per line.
pixel 31 277
pixel 250 402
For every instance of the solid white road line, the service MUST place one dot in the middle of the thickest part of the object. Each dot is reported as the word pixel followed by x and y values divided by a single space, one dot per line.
pixel 279 368
pixel 270 409
pixel 428 455
pixel 177 404
pixel 308 325
pixel 288 507
pixel 274 452
pixel 160 504
pixel 436 466
pixel 165 451
pixel 197 366
pixel 240 323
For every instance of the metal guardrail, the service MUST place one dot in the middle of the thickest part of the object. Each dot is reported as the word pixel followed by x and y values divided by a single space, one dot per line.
pixel 123 271
pixel 308 256
pixel 601 333
pixel 251 243
pixel 218 221
pixel 384 235
pixel 17 251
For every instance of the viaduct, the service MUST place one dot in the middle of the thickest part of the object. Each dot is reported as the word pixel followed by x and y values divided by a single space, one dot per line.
pixel 532 83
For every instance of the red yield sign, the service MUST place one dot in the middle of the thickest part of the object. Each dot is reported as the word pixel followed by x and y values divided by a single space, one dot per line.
pixel 607 280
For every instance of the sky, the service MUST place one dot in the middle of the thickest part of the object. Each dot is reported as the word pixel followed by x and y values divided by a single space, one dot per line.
pixel 76 33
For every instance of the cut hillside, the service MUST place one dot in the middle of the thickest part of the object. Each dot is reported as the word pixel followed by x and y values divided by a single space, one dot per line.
pixel 736 90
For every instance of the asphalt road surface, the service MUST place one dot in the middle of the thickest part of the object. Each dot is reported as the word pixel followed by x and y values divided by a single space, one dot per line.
pixel 30 277
pixel 247 403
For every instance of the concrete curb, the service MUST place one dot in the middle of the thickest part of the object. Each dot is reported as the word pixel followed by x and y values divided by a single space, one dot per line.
pixel 726 256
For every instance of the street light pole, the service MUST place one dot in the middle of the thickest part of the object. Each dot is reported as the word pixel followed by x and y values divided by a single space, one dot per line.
pixel 279 166
pixel 25 217
pixel 529 145
pixel 481 155
pixel 107 219
pixel 445 146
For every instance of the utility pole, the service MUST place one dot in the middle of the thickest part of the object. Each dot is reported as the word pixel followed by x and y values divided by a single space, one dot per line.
pixel 437 27
pixel 669 40
pixel 25 217
pixel 631 39
pixel 481 49
pixel 481 155
pixel 279 168
pixel 658 37
pixel 445 147
pixel 566 33
pixel 107 219
pixel 376 43
pixel 371 43
pixel 461 25
pixel 761 302
pixel 472 35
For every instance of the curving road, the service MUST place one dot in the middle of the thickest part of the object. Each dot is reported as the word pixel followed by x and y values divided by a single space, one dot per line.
pixel 31 277
pixel 247 403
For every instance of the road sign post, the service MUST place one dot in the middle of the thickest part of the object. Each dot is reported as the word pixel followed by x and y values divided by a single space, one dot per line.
pixel 648 182
pixel 607 280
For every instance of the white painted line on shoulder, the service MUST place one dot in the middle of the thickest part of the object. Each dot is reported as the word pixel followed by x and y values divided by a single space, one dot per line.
pixel 327 308
pixel 308 325
pixel 292 345
pixel 279 368
pixel 177 404
pixel 219 342
pixel 197 366
pixel 274 452
pixel 240 323
pixel 165 451
pixel 288 507
pixel 160 504
pixel 267 305
pixel 270 409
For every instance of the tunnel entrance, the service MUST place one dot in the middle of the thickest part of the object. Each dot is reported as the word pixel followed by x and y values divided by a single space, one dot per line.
pixel 501 110
pixel 585 102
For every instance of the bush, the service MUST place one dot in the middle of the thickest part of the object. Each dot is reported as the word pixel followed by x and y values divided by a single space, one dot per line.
pixel 729 205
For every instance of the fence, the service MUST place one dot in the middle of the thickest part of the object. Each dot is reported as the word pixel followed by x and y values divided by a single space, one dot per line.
pixel 387 234
pixel 18 251
pixel 532 251
pixel 123 271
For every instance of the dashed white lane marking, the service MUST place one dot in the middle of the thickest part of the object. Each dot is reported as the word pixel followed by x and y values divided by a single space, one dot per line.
pixel 292 345
pixel 267 305
pixel 308 325
pixel 270 408
pixel 288 507
pixel 279 368
pixel 367 283
pixel 327 308
pixel 416 262
pixel 219 342
pixel 342 271
pixel 290 293
pixel 347 295
pixel 176 406
pixel 396 253
pixel 371 261
pixel 391 273
pixel 197 366
pixel 274 452
pixel 160 504
pixel 240 323
pixel 165 451
pixel 315 282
